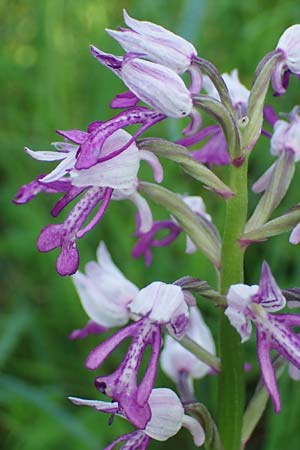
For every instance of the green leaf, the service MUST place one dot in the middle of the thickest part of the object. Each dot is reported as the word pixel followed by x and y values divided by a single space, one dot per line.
pixel 181 156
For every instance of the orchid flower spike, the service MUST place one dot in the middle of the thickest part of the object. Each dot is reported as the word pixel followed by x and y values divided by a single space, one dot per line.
pixel 155 43
pixel 115 177
pixel 155 306
pixel 289 63
pixel 104 293
pixel 167 418
pixel 257 304
pixel 180 364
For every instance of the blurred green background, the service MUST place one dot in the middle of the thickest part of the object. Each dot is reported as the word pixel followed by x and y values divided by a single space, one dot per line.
pixel 49 81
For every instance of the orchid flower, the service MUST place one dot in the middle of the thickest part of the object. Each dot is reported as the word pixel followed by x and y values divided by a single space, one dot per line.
pixel 113 178
pixel 167 418
pixel 158 304
pixel 247 304
pixel 155 43
pixel 289 63
pixel 155 84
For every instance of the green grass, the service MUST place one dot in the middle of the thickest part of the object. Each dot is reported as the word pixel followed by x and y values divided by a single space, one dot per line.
pixel 50 81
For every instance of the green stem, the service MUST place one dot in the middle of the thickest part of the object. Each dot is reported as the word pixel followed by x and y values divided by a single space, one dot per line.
pixel 201 353
pixel 231 380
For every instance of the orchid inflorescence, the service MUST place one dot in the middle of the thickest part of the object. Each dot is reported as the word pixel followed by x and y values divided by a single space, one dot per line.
pixel 102 164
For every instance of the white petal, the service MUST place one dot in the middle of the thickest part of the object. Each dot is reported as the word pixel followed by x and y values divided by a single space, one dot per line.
pixel 118 172
pixel 239 298
pixel 239 94
pixel 61 170
pixel 161 300
pixel 105 292
pixel 158 86
pixel 195 429
pixel 144 211
pixel 46 155
pixel 97 404
pixel 154 163
pixel 167 414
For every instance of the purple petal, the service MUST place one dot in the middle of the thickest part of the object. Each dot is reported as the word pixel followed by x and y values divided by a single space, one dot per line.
pixel 269 294
pixel 198 137
pixel 196 79
pixel 68 261
pixel 90 150
pixel 65 235
pixel 50 237
pixel 214 152
pixel 195 123
pixel 137 440
pixel 270 115
pixel 76 136
pixel 267 370
pixel 122 385
pixel 90 328
pixel 94 125
pixel 125 100
pixel 113 62
pixel 28 191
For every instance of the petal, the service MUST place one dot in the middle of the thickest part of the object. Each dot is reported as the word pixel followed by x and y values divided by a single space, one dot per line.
pixel 158 86
pixel 45 155
pixel 125 100
pixel 195 429
pixel 269 294
pixel 107 407
pixel 167 414
pixel 154 163
pixel 159 299
pixel 76 136
pixel 113 62
pixel 267 370
pixel 195 123
pixel 295 235
pixel 144 212
pixel 264 181
pixel 61 170
pixel 90 328
pixel 137 440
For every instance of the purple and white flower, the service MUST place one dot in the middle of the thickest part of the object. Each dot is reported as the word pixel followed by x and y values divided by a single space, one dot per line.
pixel 167 418
pixel 247 304
pixel 289 63
pixel 155 43
pixel 157 305
pixel 115 177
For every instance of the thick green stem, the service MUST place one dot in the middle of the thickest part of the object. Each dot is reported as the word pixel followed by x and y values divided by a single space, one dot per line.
pixel 231 380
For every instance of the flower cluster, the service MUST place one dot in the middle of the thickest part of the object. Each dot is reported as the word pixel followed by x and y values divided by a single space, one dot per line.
pixel 111 300
pixel 102 164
